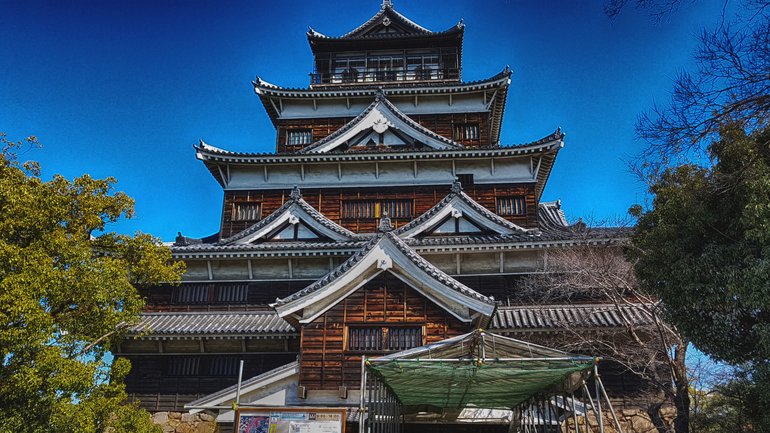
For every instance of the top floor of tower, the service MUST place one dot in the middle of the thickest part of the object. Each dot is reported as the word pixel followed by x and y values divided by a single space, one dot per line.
pixel 388 49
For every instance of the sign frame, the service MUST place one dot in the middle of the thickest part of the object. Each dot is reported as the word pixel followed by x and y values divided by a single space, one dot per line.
pixel 295 409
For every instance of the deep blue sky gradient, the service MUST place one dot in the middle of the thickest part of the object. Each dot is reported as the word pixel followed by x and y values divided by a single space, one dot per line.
pixel 125 89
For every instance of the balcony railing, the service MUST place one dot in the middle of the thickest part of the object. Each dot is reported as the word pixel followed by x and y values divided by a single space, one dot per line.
pixel 363 76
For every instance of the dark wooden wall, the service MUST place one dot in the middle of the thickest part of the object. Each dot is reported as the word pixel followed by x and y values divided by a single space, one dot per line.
pixel 150 383
pixel 441 124
pixel 324 361
pixel 260 294
pixel 329 202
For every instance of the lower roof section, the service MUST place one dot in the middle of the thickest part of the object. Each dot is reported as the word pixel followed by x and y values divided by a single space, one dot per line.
pixel 550 317
pixel 212 324
pixel 507 319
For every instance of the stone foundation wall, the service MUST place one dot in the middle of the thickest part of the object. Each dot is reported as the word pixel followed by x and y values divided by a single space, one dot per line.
pixel 178 422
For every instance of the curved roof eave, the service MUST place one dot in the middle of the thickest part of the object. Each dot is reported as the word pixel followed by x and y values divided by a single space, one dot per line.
pixel 547 145
pixel 430 137
pixel 315 36
pixel 266 89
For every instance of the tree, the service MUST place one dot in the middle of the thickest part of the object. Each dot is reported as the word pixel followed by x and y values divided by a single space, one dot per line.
pixel 737 403
pixel 66 292
pixel 704 247
pixel 647 346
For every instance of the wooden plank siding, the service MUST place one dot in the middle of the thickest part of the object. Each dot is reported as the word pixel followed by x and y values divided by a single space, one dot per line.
pixel 150 383
pixel 441 124
pixel 329 202
pixel 324 361
pixel 162 298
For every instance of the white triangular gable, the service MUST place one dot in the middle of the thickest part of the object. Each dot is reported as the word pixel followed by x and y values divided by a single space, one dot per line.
pixel 296 231
pixel 276 387
pixel 385 254
pixel 295 220
pixel 457 214
pixel 381 124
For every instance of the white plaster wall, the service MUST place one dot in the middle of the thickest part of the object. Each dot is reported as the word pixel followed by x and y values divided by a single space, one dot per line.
pixel 229 269
pixel 479 263
pixel 197 270
pixel 352 107
pixel 522 260
pixel 358 174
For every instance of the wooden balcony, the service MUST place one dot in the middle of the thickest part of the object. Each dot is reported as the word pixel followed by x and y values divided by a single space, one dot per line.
pixel 378 76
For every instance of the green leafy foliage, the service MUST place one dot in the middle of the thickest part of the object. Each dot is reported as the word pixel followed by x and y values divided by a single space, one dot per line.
pixel 66 294
pixel 704 246
pixel 738 404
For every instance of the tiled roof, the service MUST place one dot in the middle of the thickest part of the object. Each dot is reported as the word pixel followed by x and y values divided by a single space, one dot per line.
pixel 295 198
pixel 412 255
pixel 547 144
pixel 533 317
pixel 262 379
pixel 397 88
pixel 380 99
pixel 212 324
pixel 268 247
pixel 386 9
pixel 334 274
pixel 457 191
pixel 551 216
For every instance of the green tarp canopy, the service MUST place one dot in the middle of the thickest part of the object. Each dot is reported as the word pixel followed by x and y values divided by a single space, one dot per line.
pixel 479 369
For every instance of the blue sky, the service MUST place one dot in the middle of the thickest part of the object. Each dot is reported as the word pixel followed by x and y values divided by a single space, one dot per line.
pixel 124 89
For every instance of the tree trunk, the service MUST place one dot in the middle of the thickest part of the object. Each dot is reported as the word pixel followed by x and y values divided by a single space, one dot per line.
pixel 657 419
pixel 681 390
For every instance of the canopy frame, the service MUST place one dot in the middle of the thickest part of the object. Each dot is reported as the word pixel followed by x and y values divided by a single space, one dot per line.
pixel 551 396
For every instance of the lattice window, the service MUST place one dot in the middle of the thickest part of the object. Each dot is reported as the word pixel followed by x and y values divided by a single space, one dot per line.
pixel 212 294
pixel 359 209
pixel 355 209
pixel 232 294
pixel 365 339
pixel 400 338
pixel 469 131
pixel 245 211
pixel 223 366
pixel 183 366
pixel 192 294
pixel 299 137
pixel 511 206
pixel 383 339
pixel 397 208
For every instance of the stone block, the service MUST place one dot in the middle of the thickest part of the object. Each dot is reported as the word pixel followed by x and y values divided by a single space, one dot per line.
pixel 160 417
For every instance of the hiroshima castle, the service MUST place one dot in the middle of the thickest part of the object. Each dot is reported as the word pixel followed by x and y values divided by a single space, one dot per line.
pixel 390 224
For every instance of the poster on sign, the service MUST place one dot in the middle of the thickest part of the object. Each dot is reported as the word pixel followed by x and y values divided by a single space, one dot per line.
pixel 290 420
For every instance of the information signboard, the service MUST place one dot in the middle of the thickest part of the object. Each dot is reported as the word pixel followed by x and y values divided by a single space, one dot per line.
pixel 290 420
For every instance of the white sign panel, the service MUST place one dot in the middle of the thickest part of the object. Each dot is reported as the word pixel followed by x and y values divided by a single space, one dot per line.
pixel 290 420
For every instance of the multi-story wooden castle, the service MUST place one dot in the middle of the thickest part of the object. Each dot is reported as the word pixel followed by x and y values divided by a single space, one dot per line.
pixel 389 217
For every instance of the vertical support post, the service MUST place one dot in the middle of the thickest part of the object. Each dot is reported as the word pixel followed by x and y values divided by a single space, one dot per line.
pixel 600 384
pixel 598 399
pixel 238 389
pixel 370 410
pixel 362 403
pixel 574 413
pixel 591 401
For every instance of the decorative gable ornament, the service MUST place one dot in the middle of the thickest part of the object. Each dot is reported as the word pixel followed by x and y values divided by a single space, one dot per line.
pixel 295 220
pixel 386 253
pixel 458 213
pixel 383 121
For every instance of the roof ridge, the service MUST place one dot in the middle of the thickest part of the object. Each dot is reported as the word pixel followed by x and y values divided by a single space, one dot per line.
pixel 295 199
pixel 379 100
pixel 260 83
pixel 456 191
